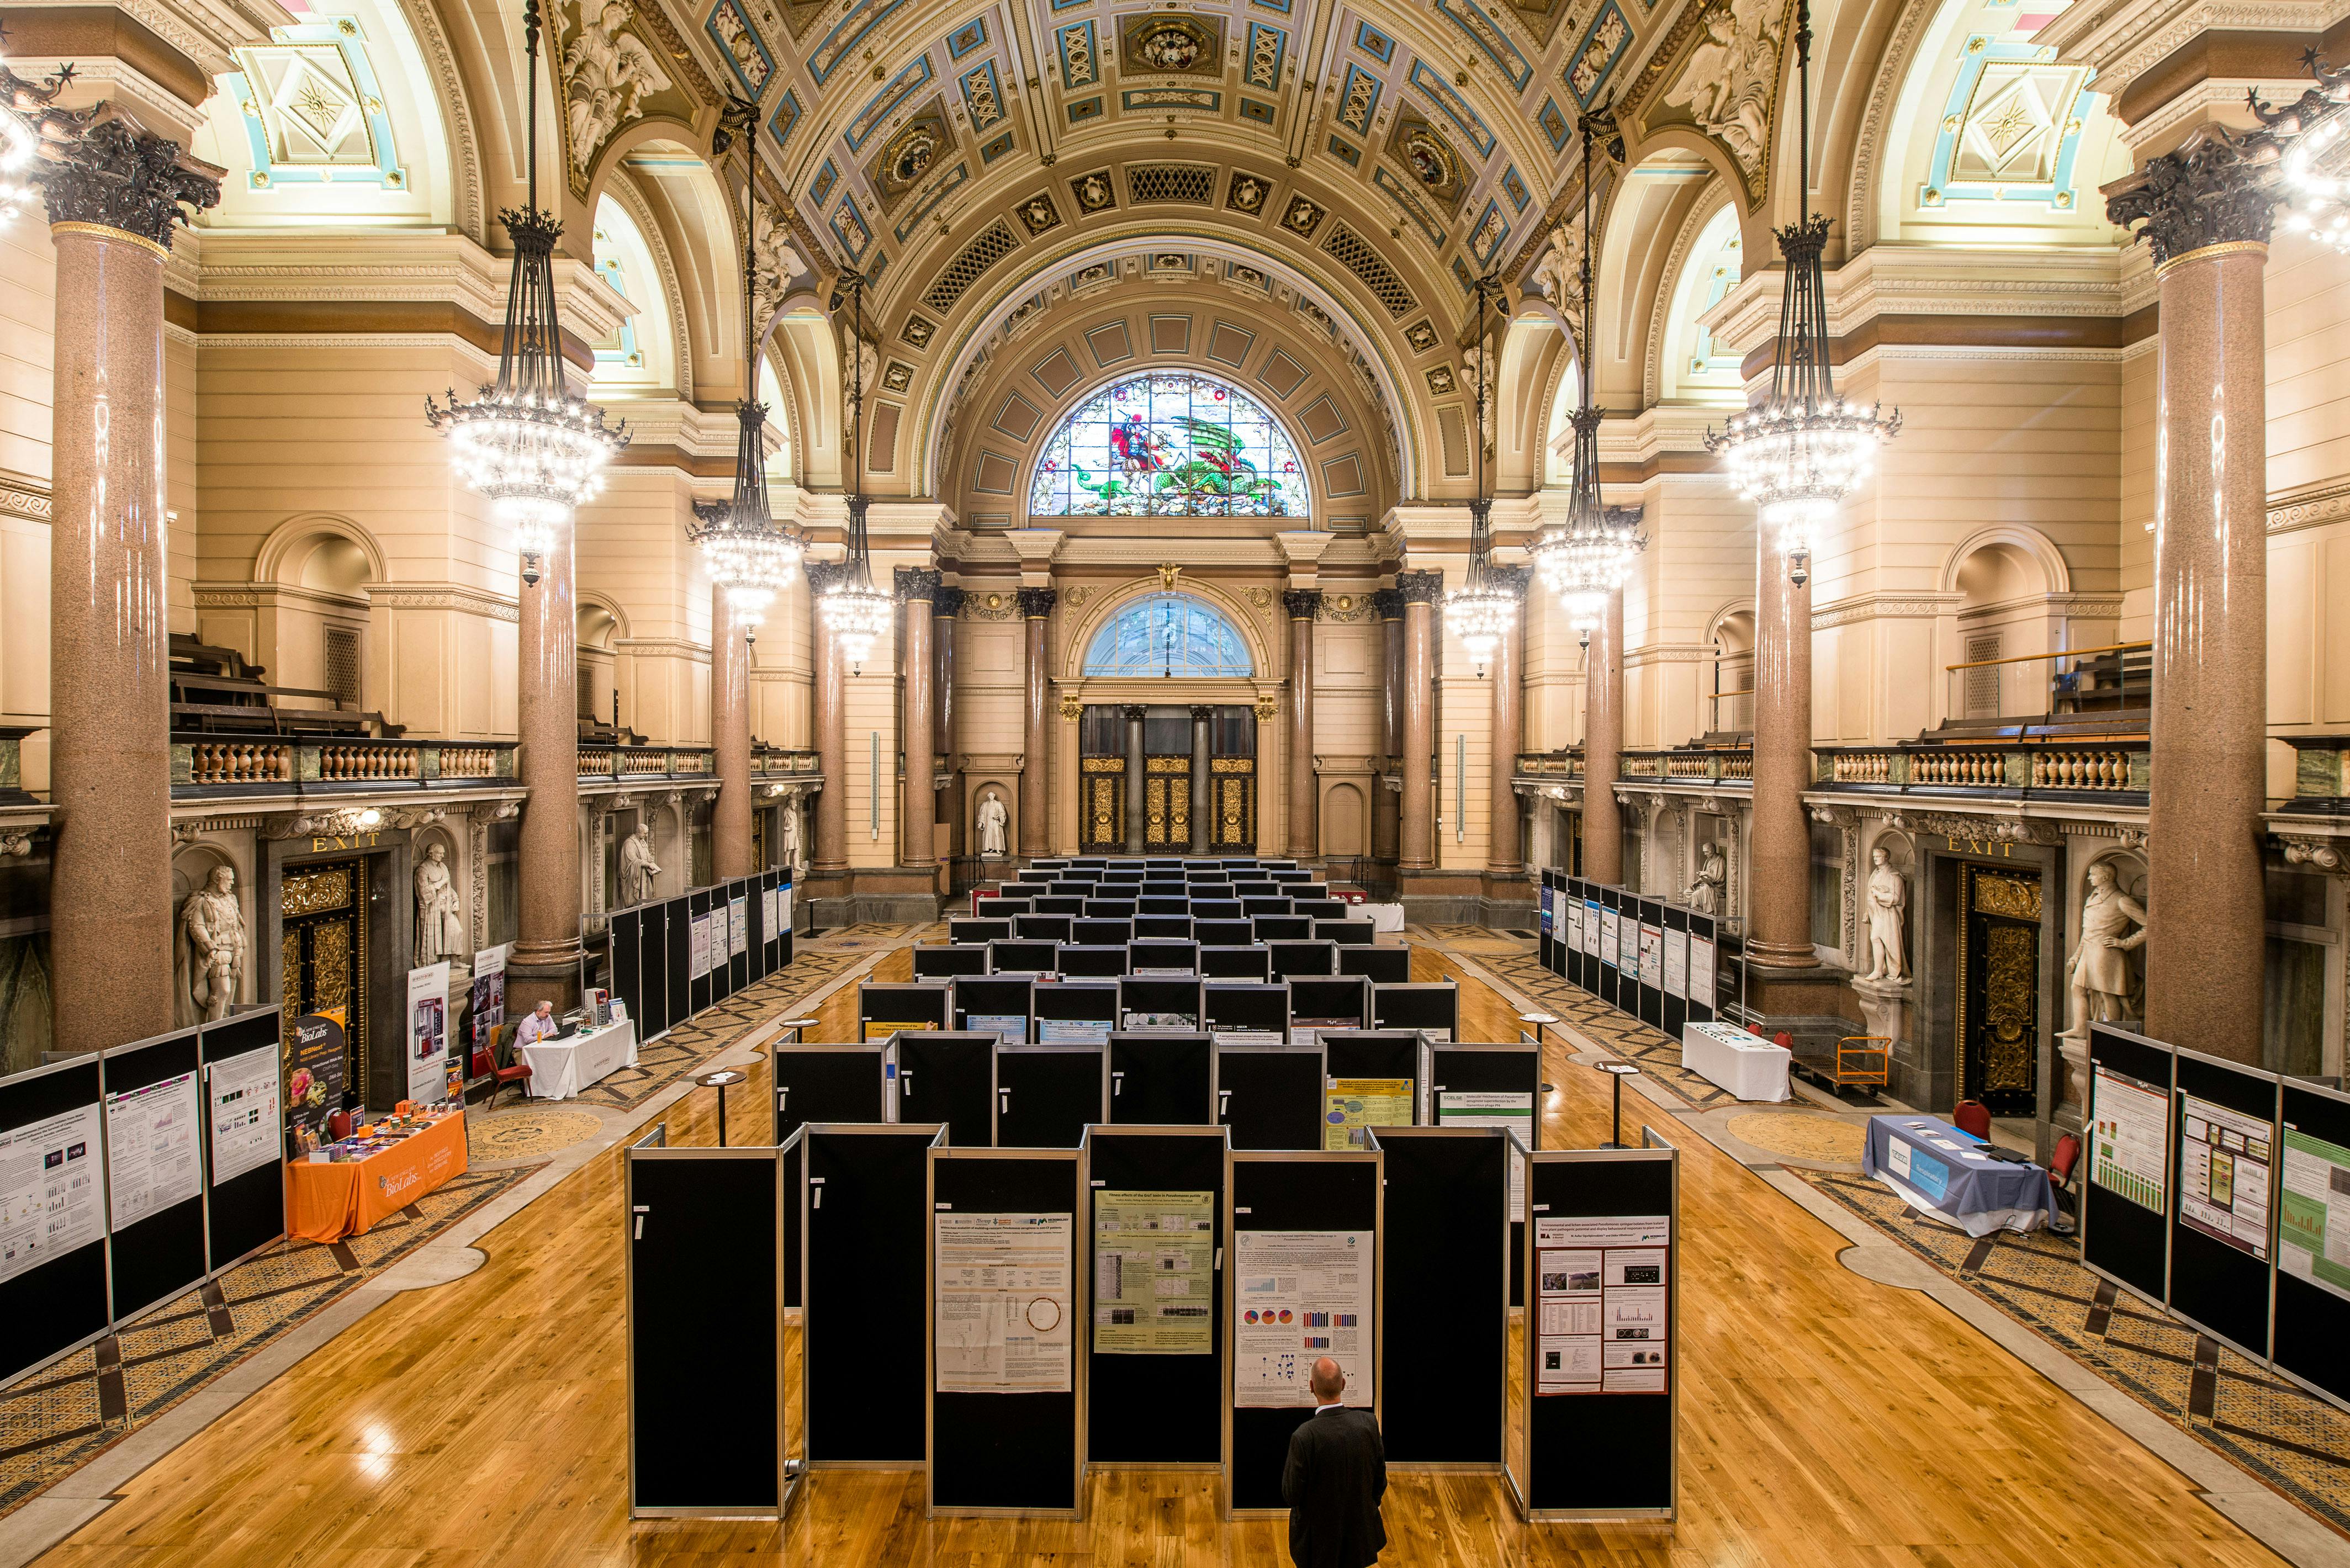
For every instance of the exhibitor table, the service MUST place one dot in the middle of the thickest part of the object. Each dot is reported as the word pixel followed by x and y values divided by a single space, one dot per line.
pixel 1746 1064
pixel 328 1201
pixel 562 1068
pixel 1937 1168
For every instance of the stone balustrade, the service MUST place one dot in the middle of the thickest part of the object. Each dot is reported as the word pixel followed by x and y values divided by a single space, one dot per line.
pixel 205 765
pixel 2112 768
pixel 640 762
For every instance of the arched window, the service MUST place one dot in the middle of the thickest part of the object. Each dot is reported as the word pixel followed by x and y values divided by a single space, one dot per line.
pixel 1172 446
pixel 1169 635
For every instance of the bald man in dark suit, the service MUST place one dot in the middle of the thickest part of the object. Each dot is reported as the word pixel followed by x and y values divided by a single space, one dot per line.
pixel 1337 1473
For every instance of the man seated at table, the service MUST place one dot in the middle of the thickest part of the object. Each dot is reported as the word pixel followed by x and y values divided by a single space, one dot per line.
pixel 540 1025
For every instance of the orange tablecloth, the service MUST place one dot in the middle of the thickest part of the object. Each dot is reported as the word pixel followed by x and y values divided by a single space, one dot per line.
pixel 327 1201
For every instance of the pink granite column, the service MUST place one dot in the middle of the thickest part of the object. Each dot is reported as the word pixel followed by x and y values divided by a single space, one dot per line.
pixel 1303 604
pixel 1384 801
pixel 545 964
pixel 1602 746
pixel 946 604
pixel 1420 591
pixel 113 208
pixel 1779 854
pixel 829 720
pixel 730 739
pixel 1035 740
pixel 918 843
pixel 1505 861
pixel 2207 217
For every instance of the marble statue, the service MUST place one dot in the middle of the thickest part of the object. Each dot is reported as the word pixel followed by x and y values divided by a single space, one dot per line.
pixel 993 820
pixel 439 932
pixel 791 835
pixel 211 950
pixel 637 868
pixel 1704 895
pixel 1889 907
pixel 607 74
pixel 2098 978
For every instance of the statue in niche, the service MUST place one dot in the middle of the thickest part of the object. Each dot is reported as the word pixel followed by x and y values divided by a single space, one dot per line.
pixel 1888 906
pixel 637 867
pixel 211 950
pixel 439 932
pixel 2099 978
pixel 1704 895
pixel 992 821
pixel 791 846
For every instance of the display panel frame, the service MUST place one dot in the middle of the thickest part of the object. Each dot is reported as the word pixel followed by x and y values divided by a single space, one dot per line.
pixel 2121 1242
pixel 2203 1271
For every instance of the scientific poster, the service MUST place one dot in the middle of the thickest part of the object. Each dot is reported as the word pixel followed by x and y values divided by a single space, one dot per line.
pixel 1575 925
pixel 783 909
pixel 428 1031
pixel 1349 1106
pixel 1700 982
pixel 241 1104
pixel 2223 1175
pixel 877 1030
pixel 1072 1030
pixel 1298 1295
pixel 1677 945
pixel 1161 1023
pixel 2129 1139
pixel 152 1161
pixel 1594 927
pixel 738 926
pixel 769 906
pixel 1003 1303
pixel 720 936
pixel 701 961
pixel 1154 1272
pixel 2313 1219
pixel 1491 1108
pixel 1603 1304
pixel 1611 939
pixel 1248 1037
pixel 1627 954
pixel 1652 956
pixel 49 1190
pixel 1012 1028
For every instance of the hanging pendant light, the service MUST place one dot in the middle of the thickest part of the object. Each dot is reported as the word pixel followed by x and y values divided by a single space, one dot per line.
pixel 1799 452
pixel 26 115
pixel 2314 167
pixel 858 613
pixel 1481 611
pixel 1590 556
pixel 535 450
pixel 747 555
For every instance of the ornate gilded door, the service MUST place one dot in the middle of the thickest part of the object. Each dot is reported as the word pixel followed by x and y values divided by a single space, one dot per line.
pixel 1999 996
pixel 1233 830
pixel 1167 803
pixel 324 950
pixel 1101 781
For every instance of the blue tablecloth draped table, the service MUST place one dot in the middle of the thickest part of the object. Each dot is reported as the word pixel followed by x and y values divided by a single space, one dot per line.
pixel 1934 1167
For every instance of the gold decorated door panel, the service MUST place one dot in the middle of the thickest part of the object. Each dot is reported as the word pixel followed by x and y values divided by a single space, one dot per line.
pixel 1167 803
pixel 1234 826
pixel 1998 989
pixel 323 952
pixel 1101 785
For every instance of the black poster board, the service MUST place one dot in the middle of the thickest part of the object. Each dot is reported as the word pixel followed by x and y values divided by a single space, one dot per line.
pixel 246 1212
pixel 1707 958
pixel 948 1080
pixel 1432 1007
pixel 885 1008
pixel 1444 1279
pixel 1235 963
pixel 705 1268
pixel 1158 1407
pixel 1231 1006
pixel 1074 1012
pixel 826 1084
pixel 1019 956
pixel 1158 1002
pixel 741 931
pixel 1286 1191
pixel 625 936
pixel 791 1156
pixel 1569 921
pixel 965 929
pixel 161 1251
pixel 1270 1097
pixel 1043 928
pixel 1481 1070
pixel 2123 1240
pixel 677 943
pixel 2313 1310
pixel 59 1305
pixel 1006 1450
pixel 1335 1001
pixel 1374 1054
pixel 649 1007
pixel 1545 886
pixel 994 996
pixel 1105 933
pixel 1051 906
pixel 865 1253
pixel 1604 975
pixel 1601 1454
pixel 944 961
pixel 1380 965
pixel 2221 1286
pixel 1162 955
pixel 1281 928
pixel 1163 1080
pixel 1047 1095
pixel 1092 963
pixel 1223 933
pixel 1675 1003
pixel 697 913
pixel 1648 974
pixel 1292 960
pixel 1345 931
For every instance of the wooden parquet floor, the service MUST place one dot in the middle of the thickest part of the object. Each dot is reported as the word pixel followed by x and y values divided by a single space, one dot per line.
pixel 1825 1420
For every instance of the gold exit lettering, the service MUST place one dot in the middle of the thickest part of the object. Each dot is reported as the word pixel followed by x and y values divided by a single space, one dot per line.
pixel 321 843
pixel 2000 848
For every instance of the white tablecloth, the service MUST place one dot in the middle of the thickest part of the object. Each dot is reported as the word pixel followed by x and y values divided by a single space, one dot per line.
pixel 561 1068
pixel 1383 916
pixel 1746 1064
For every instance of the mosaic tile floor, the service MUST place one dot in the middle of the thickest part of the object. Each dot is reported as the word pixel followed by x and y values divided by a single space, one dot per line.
pixel 529 1134
pixel 65 1416
pixel 1802 1134
pixel 2293 1441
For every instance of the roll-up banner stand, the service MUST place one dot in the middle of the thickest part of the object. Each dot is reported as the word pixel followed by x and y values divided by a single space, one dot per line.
pixel 945 960
pixel 945 1080
pixel 1156 1377
pixel 1073 1012
pixel 53 1287
pixel 883 1010
pixel 1270 1097
pixel 864 1260
pixel 1370 1078
pixel 1432 1007
pixel 827 1084
pixel 1163 1080
pixel 1006 1418
pixel 1047 1095
pixel 2126 1177
pixel 706 1433
pixel 624 934
pixel 2224 1151
pixel 244 1136
pixel 1444 1284
pixel 1235 963
pixel 2312 1321
pixel 997 1004
pixel 1246 1012
pixel 1496 1086
pixel 1601 1370
pixel 701 992
pixel 154 1170
pixel 1303 1281
pixel 1381 966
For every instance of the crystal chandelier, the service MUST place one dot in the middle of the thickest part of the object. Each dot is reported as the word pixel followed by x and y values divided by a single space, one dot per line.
pixel 1799 452
pixel 1590 556
pixel 1480 612
pixel 2314 133
pixel 747 555
pixel 526 444
pixel 858 613
pixel 28 116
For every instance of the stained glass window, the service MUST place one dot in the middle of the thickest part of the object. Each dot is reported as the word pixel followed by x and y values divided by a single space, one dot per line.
pixel 1174 445
pixel 1166 635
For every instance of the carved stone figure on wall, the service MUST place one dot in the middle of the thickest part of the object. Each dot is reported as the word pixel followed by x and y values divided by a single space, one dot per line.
pixel 2112 924
pixel 211 950
pixel 775 262
pixel 439 933
pixel 1888 906
pixel 791 846
pixel 608 75
pixel 1704 895
pixel 992 821
pixel 1559 275
pixel 637 867
pixel 1728 76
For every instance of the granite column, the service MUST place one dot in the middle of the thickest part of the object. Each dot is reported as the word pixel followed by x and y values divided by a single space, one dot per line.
pixel 1779 853
pixel 830 720
pixel 1303 604
pixel 1388 605
pixel 1133 714
pixel 1603 746
pixel 1420 591
pixel 1505 863
pixel 919 804
pixel 729 738
pixel 1204 781
pixel 1035 738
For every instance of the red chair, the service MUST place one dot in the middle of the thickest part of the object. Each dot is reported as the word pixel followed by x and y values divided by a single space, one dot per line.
pixel 485 1065
pixel 2061 1162
pixel 1973 1117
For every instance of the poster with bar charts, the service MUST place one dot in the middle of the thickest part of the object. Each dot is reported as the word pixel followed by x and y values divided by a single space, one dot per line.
pixel 2223 1175
pixel 1154 1272
pixel 1297 1296
pixel 50 1193
pixel 152 1161
pixel 1602 1305
pixel 2129 1139
pixel 241 1102
pixel 2313 1216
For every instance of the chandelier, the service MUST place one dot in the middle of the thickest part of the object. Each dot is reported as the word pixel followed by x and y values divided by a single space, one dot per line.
pixel 536 451
pixel 2314 170
pixel 1590 556
pixel 28 116
pixel 747 555
pixel 1798 453
pixel 857 613
pixel 1481 611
